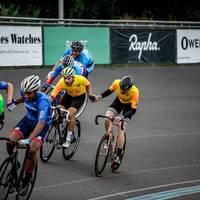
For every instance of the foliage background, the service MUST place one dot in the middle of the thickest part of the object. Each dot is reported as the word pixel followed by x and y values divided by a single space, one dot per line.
pixel 173 10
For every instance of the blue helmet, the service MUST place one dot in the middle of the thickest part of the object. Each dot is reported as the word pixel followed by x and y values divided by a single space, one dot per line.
pixel 77 46
pixel 67 61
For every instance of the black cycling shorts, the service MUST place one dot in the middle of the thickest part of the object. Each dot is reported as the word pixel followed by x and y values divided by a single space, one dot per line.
pixel 68 101
pixel 121 107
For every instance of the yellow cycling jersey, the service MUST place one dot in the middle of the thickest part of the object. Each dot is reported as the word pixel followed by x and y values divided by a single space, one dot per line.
pixel 77 88
pixel 131 96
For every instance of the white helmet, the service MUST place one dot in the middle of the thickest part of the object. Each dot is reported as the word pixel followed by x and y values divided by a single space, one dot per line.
pixel 31 83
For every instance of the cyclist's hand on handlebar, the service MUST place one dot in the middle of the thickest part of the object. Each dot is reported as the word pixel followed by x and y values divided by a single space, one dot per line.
pixel 44 87
pixel 25 141
pixel 11 105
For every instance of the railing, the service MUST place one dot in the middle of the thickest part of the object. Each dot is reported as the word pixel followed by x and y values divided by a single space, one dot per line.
pixel 97 23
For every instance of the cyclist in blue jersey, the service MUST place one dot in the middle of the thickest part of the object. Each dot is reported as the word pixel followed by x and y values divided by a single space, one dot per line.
pixel 79 54
pixel 9 100
pixel 32 128
pixel 67 61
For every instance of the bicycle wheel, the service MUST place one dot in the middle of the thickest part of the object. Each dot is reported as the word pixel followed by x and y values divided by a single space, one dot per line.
pixel 70 151
pixel 115 166
pixel 6 178
pixel 27 194
pixel 82 108
pixel 48 146
pixel 102 154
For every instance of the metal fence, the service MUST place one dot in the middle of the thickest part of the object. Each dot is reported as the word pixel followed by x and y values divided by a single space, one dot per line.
pixel 98 23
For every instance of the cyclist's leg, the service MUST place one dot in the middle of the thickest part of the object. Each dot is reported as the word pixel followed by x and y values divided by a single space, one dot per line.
pixel 31 160
pixel 75 105
pixel 19 132
pixel 112 111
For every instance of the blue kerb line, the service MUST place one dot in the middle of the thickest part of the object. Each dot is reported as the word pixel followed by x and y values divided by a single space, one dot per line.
pixel 168 194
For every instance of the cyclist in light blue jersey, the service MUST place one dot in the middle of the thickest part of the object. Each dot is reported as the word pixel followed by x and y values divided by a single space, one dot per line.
pixel 32 128
pixel 67 61
pixel 79 54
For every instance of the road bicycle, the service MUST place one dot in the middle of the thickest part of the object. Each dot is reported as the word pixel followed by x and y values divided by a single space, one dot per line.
pixel 12 173
pixel 57 134
pixel 55 103
pixel 106 151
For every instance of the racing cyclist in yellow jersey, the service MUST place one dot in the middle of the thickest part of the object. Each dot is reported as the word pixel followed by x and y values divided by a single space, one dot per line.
pixel 75 87
pixel 125 102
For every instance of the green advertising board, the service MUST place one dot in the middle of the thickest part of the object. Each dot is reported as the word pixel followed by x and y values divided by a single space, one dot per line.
pixel 58 39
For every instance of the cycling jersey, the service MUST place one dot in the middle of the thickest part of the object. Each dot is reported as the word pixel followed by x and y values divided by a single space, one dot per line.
pixel 78 67
pixel 1 105
pixel 38 108
pixel 77 88
pixel 131 96
pixel 3 85
pixel 85 57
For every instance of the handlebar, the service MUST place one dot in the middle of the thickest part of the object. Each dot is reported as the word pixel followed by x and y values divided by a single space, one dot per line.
pixel 16 142
pixel 106 117
pixel 58 110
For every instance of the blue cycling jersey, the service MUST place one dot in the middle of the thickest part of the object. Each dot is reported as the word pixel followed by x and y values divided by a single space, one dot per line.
pixel 3 85
pixel 78 67
pixel 85 58
pixel 38 109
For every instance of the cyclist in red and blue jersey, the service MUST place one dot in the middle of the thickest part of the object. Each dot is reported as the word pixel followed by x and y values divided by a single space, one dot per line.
pixel 9 100
pixel 33 127
pixel 67 61
pixel 79 54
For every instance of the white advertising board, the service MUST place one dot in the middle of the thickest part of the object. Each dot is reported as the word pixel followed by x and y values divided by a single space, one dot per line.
pixel 20 45
pixel 188 46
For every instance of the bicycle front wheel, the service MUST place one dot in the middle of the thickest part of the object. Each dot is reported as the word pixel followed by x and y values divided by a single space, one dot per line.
pixel 102 154
pixel 48 146
pixel 115 167
pixel 6 178
pixel 25 194
pixel 70 151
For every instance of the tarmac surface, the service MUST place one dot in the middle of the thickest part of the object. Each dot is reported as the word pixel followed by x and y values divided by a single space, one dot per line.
pixel 162 158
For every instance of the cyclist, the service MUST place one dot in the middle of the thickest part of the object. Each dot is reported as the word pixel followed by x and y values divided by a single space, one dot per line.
pixel 67 61
pixel 9 100
pixel 75 87
pixel 79 54
pixel 32 128
pixel 125 102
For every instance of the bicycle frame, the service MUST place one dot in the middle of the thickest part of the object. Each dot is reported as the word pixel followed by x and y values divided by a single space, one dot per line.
pixel 13 177
pixel 106 151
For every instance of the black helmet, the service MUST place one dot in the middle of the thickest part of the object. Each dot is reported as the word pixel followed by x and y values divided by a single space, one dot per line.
pixel 126 82
pixel 77 46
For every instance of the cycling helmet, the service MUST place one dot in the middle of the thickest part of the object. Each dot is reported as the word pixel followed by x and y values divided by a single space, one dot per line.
pixel 126 82
pixel 77 46
pixel 67 72
pixel 31 83
pixel 68 61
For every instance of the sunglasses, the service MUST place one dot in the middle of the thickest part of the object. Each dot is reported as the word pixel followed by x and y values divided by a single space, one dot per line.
pixel 27 93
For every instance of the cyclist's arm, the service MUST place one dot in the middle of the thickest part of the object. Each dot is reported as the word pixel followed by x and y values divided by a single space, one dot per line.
pixel 38 129
pixel 9 92
pixel 88 87
pixel 55 73
pixel 135 99
pixel 105 93
pixel 56 90
pixel 129 113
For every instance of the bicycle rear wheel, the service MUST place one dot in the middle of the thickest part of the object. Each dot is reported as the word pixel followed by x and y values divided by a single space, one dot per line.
pixel 27 194
pixel 6 178
pixel 102 154
pixel 70 151
pixel 115 167
pixel 48 147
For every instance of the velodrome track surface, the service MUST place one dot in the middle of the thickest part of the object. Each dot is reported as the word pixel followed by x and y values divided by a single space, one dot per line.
pixel 163 147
